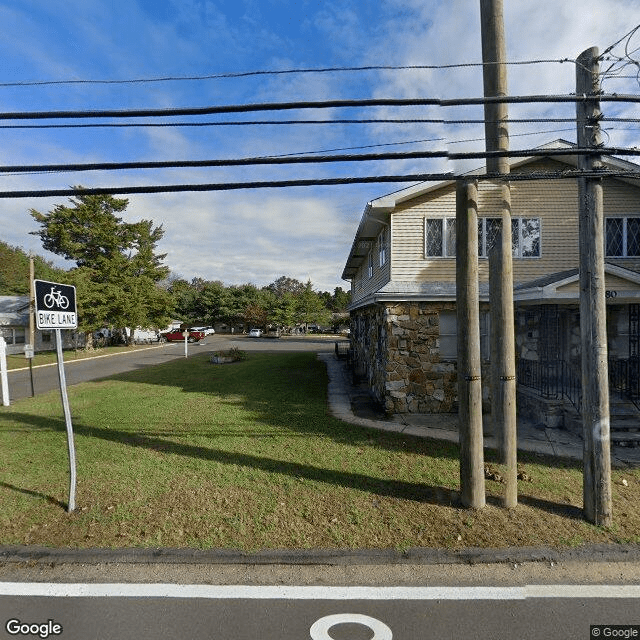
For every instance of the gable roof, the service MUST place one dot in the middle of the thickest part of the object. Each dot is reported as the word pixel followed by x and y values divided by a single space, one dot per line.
pixel 375 215
pixel 564 286
pixel 14 310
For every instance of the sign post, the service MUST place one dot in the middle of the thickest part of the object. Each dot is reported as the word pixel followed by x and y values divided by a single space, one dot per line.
pixel 56 309
pixel 4 380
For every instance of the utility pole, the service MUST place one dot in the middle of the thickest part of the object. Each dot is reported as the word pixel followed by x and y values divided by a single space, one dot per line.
pixel 503 364
pixel 593 311
pixel 472 489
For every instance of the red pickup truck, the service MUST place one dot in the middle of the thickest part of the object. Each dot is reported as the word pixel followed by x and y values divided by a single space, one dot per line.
pixel 178 334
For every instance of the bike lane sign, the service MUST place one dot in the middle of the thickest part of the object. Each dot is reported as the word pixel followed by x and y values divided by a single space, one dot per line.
pixel 55 305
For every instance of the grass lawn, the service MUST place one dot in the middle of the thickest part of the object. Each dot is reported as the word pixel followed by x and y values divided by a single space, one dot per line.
pixel 244 455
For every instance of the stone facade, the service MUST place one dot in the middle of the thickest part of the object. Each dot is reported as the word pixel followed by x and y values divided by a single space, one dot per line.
pixel 397 347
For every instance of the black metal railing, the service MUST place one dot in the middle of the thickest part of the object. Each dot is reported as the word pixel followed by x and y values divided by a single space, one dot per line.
pixel 624 377
pixel 551 379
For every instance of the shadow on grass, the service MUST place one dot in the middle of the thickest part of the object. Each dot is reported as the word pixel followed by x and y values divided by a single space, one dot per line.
pixel 283 391
pixel 288 394
pixel 390 488
pixel 35 494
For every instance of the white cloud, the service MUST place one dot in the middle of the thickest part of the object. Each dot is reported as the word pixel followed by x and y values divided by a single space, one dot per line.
pixel 240 236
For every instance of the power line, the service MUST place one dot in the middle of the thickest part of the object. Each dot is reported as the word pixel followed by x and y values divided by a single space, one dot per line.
pixel 226 123
pixel 282 160
pixel 275 72
pixel 230 186
pixel 323 104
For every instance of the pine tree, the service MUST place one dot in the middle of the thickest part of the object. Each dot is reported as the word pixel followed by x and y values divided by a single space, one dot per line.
pixel 117 269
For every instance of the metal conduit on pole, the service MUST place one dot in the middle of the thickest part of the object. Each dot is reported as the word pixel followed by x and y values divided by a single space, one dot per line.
pixel 503 367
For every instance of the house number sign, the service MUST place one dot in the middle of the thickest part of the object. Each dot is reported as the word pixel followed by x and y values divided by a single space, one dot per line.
pixel 610 294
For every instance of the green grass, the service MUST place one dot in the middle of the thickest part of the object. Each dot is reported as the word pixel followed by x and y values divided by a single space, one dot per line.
pixel 244 455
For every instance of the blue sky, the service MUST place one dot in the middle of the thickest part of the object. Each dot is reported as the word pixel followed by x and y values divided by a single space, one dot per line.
pixel 258 235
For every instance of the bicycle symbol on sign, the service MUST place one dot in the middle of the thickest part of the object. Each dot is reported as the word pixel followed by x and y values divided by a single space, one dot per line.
pixel 55 298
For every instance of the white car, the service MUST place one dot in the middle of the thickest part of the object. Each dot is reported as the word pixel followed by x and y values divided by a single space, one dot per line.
pixel 255 333
pixel 208 331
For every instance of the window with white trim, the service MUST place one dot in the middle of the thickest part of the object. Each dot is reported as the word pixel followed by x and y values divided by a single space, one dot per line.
pixel 382 247
pixel 370 264
pixel 525 236
pixel 449 335
pixel 439 237
pixel 622 237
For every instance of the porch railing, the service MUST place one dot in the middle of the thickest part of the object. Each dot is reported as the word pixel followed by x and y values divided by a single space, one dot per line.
pixel 551 379
pixel 624 377
pixel 557 379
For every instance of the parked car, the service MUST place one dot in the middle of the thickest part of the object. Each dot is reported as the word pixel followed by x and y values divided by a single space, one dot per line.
pixel 178 335
pixel 206 330
pixel 255 333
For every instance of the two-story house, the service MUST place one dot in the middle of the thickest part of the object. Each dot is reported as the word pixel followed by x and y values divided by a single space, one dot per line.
pixel 402 268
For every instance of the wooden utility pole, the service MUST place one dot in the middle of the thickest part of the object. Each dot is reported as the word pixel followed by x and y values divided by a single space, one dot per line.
pixel 503 364
pixel 472 489
pixel 593 318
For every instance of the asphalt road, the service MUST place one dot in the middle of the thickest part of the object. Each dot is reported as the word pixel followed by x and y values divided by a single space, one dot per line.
pixel 45 378
pixel 159 611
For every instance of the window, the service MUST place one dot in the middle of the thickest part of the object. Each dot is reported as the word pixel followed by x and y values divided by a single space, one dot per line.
pixel 440 237
pixel 622 237
pixel 370 265
pixel 382 248
pixel 449 335
pixel 525 236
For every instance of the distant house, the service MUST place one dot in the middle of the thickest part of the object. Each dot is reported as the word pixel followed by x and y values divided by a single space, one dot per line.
pixel 14 328
pixel 402 268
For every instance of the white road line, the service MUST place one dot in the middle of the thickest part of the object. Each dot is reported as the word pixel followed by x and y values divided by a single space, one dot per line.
pixel 128 590
pixel 88 358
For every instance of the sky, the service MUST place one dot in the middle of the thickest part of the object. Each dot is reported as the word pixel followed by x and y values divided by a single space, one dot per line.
pixel 258 235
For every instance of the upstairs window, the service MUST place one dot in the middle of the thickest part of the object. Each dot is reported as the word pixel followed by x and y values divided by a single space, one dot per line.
pixel 370 265
pixel 382 247
pixel 622 237
pixel 440 237
pixel 525 236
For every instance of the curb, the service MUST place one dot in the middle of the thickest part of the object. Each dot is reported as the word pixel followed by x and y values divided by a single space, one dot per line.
pixel 36 555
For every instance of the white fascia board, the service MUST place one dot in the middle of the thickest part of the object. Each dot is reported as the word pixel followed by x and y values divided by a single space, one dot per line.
pixel 621 272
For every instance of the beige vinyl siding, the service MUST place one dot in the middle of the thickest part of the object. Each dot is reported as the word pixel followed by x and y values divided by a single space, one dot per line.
pixel 620 200
pixel 409 263
pixel 363 285
pixel 554 202
pixel 612 283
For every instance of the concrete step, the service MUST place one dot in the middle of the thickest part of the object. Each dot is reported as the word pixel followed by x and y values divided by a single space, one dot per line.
pixel 622 439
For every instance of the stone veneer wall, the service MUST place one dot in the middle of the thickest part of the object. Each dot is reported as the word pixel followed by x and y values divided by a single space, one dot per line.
pixel 397 348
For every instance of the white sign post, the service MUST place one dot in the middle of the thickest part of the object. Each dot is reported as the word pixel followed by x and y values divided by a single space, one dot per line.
pixel 56 309
pixel 3 372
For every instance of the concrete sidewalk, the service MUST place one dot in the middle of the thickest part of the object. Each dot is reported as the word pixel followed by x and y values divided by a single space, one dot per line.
pixel 354 405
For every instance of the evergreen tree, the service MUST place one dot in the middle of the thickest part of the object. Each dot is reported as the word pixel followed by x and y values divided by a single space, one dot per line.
pixel 118 271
